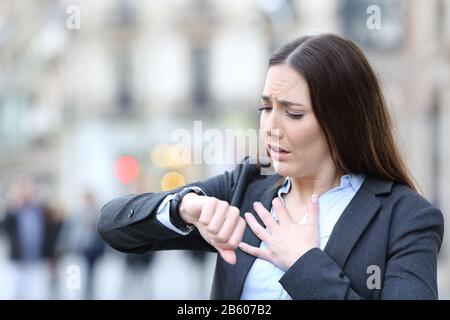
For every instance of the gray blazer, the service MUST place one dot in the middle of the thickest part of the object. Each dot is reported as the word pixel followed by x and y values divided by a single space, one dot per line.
pixel 386 225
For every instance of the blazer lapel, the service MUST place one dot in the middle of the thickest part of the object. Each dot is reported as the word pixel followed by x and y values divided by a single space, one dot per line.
pixel 356 217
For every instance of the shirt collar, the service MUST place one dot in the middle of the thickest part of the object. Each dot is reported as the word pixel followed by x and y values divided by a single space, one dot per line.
pixel 285 187
pixel 355 180
pixel 350 179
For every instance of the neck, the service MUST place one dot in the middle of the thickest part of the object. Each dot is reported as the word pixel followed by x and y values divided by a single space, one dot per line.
pixel 304 187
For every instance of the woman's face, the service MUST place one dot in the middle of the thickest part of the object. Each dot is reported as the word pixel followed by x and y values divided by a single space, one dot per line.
pixel 288 122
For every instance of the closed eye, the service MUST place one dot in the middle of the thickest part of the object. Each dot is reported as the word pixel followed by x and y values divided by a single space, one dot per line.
pixel 289 114
pixel 295 115
pixel 264 108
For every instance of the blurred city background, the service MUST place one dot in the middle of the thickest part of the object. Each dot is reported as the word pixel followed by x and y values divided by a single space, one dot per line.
pixel 91 91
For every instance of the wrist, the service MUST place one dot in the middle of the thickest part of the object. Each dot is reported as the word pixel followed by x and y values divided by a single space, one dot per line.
pixel 188 211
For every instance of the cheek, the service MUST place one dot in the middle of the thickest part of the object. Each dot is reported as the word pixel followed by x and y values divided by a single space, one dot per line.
pixel 308 140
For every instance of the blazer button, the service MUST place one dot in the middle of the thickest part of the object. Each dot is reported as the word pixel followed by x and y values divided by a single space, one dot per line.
pixel 131 213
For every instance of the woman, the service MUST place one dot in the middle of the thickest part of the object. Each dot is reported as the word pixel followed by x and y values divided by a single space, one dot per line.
pixel 340 219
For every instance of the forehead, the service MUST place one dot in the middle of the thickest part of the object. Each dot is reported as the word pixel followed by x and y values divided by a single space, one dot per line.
pixel 283 82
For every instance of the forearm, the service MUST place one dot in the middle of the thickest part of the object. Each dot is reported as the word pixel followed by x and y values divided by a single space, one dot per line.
pixel 129 223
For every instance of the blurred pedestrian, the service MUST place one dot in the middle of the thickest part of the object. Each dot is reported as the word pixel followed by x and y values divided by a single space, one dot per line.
pixel 31 230
pixel 79 236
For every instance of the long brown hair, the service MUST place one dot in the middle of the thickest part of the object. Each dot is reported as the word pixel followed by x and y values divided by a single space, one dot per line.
pixel 349 105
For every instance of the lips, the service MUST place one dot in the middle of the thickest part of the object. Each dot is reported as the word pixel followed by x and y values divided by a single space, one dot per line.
pixel 277 149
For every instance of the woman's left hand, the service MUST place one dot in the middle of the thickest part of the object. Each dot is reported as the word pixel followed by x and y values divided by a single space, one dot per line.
pixel 287 240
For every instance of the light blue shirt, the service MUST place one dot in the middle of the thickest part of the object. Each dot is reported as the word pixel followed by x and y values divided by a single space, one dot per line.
pixel 262 281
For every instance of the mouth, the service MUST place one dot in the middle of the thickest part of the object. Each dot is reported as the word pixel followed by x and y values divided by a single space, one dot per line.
pixel 278 149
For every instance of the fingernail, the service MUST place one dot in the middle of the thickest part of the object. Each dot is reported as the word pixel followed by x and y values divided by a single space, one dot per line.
pixel 247 214
pixel 241 244
pixel 315 198
pixel 255 203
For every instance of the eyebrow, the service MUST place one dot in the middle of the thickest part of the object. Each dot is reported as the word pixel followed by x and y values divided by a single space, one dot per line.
pixel 283 102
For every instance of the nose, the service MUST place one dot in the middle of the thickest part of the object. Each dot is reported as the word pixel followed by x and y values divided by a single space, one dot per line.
pixel 271 126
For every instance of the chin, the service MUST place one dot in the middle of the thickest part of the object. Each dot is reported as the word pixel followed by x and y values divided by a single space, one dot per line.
pixel 287 169
pixel 281 168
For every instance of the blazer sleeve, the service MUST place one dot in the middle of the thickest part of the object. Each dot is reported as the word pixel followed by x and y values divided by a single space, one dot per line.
pixel 410 272
pixel 129 223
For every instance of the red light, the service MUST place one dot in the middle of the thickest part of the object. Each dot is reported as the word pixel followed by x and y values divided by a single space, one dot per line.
pixel 126 169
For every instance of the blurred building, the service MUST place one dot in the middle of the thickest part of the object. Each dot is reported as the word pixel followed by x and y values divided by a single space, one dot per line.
pixel 75 101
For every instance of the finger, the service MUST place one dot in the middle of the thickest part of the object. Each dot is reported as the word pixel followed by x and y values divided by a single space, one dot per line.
pixel 313 210
pixel 238 233
pixel 231 220
pixel 207 211
pixel 254 251
pixel 282 213
pixel 265 216
pixel 228 255
pixel 218 217
pixel 257 229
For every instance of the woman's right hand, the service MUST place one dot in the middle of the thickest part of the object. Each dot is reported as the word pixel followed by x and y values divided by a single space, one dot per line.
pixel 218 223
